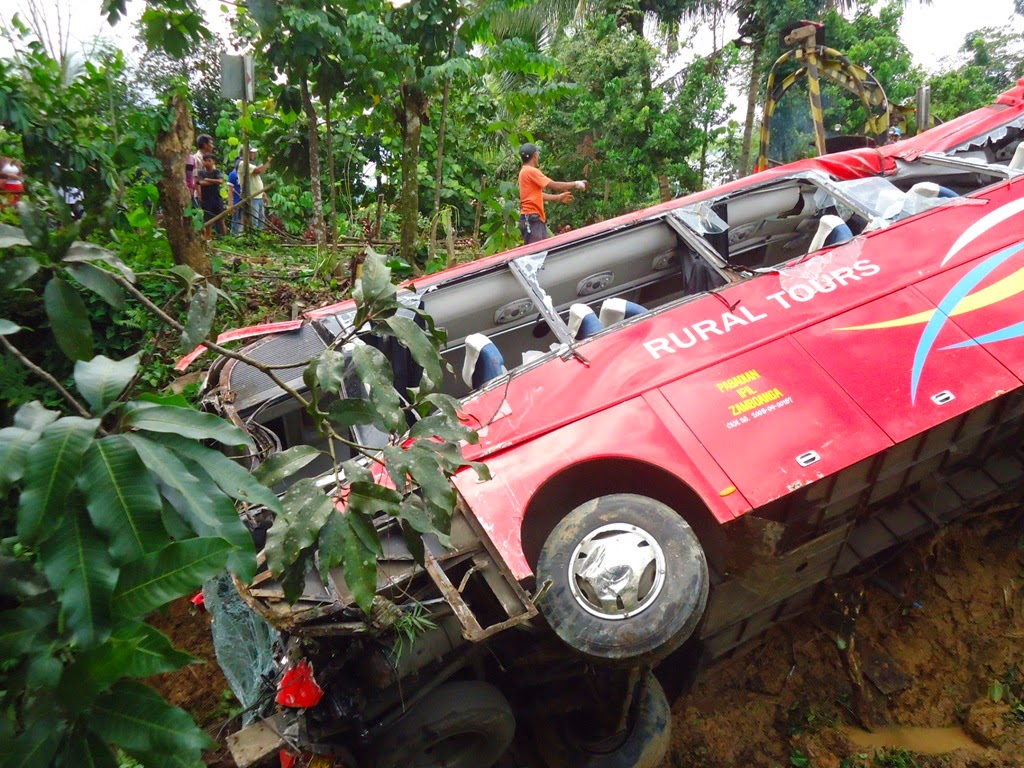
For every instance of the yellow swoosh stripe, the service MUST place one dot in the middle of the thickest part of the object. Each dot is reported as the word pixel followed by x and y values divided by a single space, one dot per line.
pixel 1009 286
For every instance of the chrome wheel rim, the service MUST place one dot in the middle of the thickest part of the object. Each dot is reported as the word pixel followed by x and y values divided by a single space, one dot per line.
pixel 617 571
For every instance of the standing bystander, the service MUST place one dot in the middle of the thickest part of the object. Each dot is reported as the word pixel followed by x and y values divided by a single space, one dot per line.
pixel 209 182
pixel 257 204
pixel 532 183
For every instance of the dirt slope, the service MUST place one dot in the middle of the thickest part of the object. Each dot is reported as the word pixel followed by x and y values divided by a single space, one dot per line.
pixel 943 654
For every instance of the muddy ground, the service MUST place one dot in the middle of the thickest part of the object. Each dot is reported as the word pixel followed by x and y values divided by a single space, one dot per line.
pixel 940 630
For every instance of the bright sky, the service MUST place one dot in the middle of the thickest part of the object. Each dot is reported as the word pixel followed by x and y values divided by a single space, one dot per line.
pixel 932 31
pixel 935 31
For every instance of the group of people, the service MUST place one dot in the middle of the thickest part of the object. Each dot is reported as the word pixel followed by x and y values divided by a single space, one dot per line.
pixel 206 182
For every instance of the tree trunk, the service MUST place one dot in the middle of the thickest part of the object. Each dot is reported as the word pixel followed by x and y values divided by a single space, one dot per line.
pixel 173 146
pixel 440 165
pixel 411 124
pixel 314 164
pixel 748 123
pixel 332 225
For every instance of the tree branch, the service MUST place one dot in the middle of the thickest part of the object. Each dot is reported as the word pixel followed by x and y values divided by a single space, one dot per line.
pixel 163 316
pixel 48 378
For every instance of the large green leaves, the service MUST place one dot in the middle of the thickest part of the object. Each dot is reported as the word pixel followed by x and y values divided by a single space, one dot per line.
pixel 99 282
pixel 14 272
pixel 375 371
pixel 122 498
pixel 183 421
pixel 306 509
pixel 420 346
pixel 21 629
pixel 283 465
pixel 78 566
pixel 50 474
pixel 101 379
pixel 208 511
pixel 374 286
pixel 68 319
pixel 177 569
pixel 134 650
pixel 135 717
pixel 201 310
pixel 341 545
pixel 14 446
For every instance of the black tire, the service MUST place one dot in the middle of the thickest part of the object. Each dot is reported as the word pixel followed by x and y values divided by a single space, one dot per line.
pixel 457 725
pixel 645 746
pixel 613 536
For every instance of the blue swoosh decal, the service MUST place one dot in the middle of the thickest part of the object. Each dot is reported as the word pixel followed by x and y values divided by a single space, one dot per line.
pixel 1014 331
pixel 949 302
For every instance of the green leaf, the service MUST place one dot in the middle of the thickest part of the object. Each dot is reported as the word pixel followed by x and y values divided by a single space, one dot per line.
pixel 68 319
pixel 207 511
pixel 440 425
pixel 78 566
pixel 52 469
pixel 34 417
pixel 14 272
pixel 20 629
pixel 176 570
pixel 134 650
pixel 352 412
pixel 7 328
pixel 11 236
pixel 326 373
pixel 419 346
pixel 36 746
pixel 306 509
pixel 230 476
pixel 375 371
pixel 86 750
pixel 135 717
pixel 101 379
pixel 122 498
pixel 99 282
pixel 85 252
pixel 374 285
pixel 283 465
pixel 34 225
pixel 186 422
pixel 201 310
pixel 14 447
pixel 339 545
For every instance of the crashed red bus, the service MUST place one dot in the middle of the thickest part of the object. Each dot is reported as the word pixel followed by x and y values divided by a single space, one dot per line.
pixel 693 416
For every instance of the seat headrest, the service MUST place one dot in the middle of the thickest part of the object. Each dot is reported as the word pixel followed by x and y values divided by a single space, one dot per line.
pixel 483 361
pixel 832 230
pixel 583 323
pixel 924 189
pixel 615 310
pixel 1017 163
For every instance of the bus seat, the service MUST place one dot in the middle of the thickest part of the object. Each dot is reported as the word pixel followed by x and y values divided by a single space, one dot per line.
pixel 832 230
pixel 483 361
pixel 615 310
pixel 583 323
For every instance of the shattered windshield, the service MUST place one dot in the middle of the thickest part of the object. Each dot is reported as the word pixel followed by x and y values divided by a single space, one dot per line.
pixel 886 203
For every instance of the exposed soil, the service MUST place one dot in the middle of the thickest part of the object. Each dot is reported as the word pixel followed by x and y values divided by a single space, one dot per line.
pixel 952 646
pixel 945 652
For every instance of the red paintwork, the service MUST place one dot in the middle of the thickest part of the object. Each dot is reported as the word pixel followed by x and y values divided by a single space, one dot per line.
pixel 850 390
pixel 237 334
pixel 726 390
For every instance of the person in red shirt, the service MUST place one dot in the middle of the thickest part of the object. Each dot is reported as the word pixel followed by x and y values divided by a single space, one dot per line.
pixel 532 183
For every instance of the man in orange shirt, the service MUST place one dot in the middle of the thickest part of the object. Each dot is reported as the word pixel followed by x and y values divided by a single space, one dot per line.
pixel 532 183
